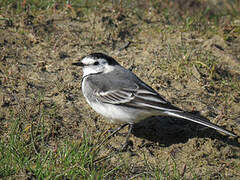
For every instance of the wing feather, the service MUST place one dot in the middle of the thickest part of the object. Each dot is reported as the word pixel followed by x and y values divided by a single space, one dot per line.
pixel 115 97
pixel 141 97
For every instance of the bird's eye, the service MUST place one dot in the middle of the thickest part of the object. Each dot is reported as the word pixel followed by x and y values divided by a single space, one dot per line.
pixel 96 63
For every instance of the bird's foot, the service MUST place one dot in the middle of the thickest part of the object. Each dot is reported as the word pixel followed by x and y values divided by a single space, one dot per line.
pixel 126 146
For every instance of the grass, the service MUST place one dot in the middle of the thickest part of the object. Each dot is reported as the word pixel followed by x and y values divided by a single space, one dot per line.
pixel 47 131
pixel 22 156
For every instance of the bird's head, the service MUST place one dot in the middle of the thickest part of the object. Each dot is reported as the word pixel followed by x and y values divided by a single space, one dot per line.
pixel 96 63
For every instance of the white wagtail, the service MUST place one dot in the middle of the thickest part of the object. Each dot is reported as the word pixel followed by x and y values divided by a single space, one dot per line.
pixel 120 96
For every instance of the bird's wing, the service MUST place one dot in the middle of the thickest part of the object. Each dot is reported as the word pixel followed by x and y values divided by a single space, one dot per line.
pixel 120 96
pixel 142 97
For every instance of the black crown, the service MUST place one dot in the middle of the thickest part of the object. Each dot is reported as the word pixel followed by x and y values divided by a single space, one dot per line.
pixel 109 59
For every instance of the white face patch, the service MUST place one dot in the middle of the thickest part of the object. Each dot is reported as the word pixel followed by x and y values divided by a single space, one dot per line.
pixel 88 60
pixel 91 68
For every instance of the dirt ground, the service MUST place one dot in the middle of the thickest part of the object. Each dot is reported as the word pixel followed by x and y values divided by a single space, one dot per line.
pixel 194 62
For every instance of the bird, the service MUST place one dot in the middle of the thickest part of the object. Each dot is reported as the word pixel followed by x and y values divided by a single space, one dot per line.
pixel 123 98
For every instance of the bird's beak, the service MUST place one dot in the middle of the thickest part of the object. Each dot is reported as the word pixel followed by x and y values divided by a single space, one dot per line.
pixel 78 64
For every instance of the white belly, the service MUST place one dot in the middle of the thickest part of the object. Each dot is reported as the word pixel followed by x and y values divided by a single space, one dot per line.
pixel 119 114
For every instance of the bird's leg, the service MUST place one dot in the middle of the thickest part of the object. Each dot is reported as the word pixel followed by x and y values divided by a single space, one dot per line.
pixel 112 134
pixel 126 144
pixel 116 130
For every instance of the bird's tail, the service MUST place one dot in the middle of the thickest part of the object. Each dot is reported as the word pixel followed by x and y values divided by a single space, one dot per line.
pixel 199 120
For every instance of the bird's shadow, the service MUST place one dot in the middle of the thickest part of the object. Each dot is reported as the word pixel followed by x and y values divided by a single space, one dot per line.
pixel 167 131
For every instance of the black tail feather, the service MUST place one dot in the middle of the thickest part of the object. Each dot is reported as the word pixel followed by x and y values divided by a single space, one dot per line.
pixel 196 119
